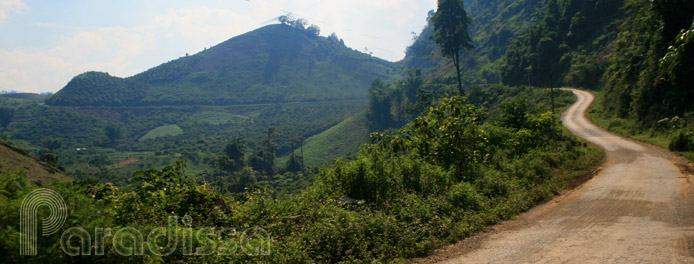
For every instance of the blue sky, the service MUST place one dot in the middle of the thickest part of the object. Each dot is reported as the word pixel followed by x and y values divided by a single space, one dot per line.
pixel 46 43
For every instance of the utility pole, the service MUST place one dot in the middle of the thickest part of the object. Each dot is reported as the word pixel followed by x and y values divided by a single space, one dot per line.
pixel 302 153
pixel 551 92
pixel 551 95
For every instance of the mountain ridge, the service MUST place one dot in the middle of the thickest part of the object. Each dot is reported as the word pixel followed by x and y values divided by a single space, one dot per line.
pixel 275 63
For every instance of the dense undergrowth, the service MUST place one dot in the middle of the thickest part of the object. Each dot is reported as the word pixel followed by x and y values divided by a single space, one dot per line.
pixel 444 176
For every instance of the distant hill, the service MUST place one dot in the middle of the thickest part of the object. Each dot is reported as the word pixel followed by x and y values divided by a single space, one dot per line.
pixel 13 159
pixel 276 63
pixel 25 96
pixel 495 24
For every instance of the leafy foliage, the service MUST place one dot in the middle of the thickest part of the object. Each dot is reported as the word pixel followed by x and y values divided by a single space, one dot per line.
pixel 563 45
pixel 650 73
pixel 82 133
pixel 395 105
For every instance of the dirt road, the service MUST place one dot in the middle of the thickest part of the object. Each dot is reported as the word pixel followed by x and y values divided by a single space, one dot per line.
pixel 638 209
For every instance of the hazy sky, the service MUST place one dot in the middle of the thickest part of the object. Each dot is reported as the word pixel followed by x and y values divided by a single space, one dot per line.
pixel 46 43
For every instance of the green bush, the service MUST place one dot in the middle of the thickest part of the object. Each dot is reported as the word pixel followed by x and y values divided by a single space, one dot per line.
pixel 464 195
pixel 682 142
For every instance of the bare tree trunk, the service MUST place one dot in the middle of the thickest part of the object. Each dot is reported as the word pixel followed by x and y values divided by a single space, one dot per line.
pixel 456 61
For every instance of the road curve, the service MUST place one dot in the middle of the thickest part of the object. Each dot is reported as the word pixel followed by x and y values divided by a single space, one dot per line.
pixel 638 209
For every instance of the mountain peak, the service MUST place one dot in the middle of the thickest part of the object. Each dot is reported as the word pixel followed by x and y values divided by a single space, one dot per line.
pixel 275 63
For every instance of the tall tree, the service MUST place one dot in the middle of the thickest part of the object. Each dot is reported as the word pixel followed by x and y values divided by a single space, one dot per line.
pixel 233 158
pixel 264 158
pixel 451 32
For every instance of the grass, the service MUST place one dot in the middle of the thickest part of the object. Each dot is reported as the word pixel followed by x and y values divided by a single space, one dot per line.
pixel 162 131
pixel 13 158
pixel 631 128
pixel 338 141
pixel 576 172
pixel 216 117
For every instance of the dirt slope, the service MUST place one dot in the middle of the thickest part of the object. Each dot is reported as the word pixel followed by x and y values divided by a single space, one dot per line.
pixel 638 209
pixel 14 159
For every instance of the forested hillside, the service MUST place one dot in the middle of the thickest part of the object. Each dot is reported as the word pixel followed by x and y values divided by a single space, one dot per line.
pixel 638 50
pixel 494 24
pixel 273 64
pixel 568 45
pixel 651 73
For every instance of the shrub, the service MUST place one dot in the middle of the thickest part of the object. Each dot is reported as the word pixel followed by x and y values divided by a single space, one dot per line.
pixel 465 195
pixel 682 142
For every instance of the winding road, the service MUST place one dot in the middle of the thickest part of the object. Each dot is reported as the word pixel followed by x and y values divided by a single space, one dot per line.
pixel 639 208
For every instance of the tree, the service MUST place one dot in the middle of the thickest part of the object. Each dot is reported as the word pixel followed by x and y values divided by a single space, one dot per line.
pixel 380 104
pixel 451 32
pixel 313 30
pixel 6 114
pixel 233 158
pixel 286 19
pixel 675 14
pixel 52 144
pixel 294 163
pixel 49 156
pixel 113 133
pixel 235 149
pixel 100 161
pixel 412 83
pixel 264 158
pixel 300 23
pixel 333 38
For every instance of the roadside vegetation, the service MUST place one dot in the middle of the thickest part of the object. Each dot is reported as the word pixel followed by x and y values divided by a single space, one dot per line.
pixel 674 133
pixel 647 93
pixel 443 177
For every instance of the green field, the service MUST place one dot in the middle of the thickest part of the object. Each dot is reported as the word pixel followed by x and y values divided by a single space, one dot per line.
pixel 162 131
pixel 217 117
pixel 342 139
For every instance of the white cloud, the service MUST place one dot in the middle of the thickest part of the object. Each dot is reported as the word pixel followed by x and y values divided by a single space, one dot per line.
pixel 106 49
pixel 200 27
pixel 120 51
pixel 382 26
pixel 11 6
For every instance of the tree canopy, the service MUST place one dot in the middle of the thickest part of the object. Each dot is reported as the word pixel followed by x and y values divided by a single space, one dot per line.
pixel 451 32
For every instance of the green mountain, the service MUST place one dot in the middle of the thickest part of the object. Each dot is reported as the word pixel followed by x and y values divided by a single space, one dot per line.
pixel 494 25
pixel 273 64
pixel 570 43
